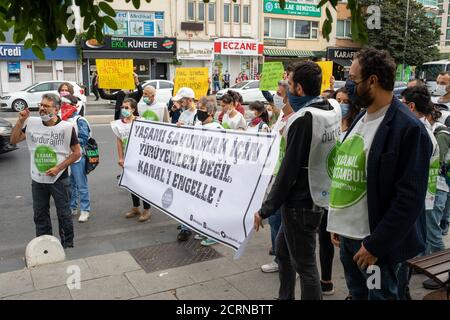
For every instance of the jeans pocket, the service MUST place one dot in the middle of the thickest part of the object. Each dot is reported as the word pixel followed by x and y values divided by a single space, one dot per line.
pixel 312 219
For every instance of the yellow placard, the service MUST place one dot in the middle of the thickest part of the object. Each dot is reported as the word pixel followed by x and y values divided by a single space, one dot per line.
pixel 327 72
pixel 194 78
pixel 115 74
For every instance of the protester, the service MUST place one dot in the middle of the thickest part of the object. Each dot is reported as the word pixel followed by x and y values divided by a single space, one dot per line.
pixel 260 118
pixel 66 89
pixel 121 129
pixel 149 109
pixel 441 96
pixel 121 95
pixel 226 80
pixel 348 110
pixel 94 85
pixel 78 176
pixel 244 76
pixel 328 93
pixel 301 214
pixel 216 81
pixel 415 82
pixel 372 215
pixel 232 119
pixel 239 101
pixel 49 161
pixel 185 100
pixel 274 113
pixel 281 101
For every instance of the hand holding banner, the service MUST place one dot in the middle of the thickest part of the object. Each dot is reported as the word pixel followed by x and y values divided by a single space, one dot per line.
pixel 115 73
pixel 271 74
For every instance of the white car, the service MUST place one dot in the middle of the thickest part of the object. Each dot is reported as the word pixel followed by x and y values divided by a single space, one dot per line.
pixel 31 97
pixel 163 88
pixel 249 91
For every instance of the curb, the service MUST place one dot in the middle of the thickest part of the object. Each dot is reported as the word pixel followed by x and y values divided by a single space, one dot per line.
pixel 96 119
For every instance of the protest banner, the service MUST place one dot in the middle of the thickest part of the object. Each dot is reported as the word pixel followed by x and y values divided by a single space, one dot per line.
pixel 272 72
pixel 327 72
pixel 213 181
pixel 115 73
pixel 194 78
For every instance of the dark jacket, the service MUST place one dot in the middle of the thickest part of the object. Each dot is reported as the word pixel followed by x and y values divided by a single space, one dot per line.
pixel 291 186
pixel 397 180
pixel 119 96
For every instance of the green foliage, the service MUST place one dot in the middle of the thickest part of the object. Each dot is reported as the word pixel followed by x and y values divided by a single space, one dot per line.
pixel 420 44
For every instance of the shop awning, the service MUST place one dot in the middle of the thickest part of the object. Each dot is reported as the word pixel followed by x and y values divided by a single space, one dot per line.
pixel 343 62
pixel 288 53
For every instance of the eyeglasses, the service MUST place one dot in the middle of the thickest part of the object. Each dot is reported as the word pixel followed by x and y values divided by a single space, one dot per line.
pixel 45 106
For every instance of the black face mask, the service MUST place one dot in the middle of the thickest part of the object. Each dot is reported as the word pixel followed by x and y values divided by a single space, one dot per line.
pixel 202 115
pixel 362 100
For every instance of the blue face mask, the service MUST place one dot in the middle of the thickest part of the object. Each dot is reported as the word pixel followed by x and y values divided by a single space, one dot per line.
pixel 350 86
pixel 345 109
pixel 126 113
pixel 297 102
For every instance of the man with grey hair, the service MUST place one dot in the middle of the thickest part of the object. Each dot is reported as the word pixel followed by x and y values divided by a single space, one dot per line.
pixel 53 146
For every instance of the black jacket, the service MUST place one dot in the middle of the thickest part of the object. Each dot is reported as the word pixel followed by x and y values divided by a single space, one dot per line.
pixel 291 186
pixel 119 96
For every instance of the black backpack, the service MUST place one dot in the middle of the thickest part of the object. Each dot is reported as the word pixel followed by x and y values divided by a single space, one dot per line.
pixel 91 152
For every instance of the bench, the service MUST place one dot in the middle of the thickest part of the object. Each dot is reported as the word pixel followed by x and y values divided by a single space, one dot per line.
pixel 437 267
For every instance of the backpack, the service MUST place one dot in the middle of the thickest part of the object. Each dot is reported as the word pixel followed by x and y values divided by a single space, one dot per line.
pixel 91 151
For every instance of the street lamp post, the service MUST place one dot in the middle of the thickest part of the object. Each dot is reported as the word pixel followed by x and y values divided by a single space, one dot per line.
pixel 406 38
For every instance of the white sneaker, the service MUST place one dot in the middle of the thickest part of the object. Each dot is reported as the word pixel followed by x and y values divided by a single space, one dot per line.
pixel 74 212
pixel 270 267
pixel 84 216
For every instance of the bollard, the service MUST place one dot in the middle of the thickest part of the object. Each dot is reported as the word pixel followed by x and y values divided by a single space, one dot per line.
pixel 44 250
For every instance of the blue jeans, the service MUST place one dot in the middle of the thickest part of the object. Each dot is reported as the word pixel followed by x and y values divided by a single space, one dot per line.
pixel 275 223
pixel 446 216
pixel 357 279
pixel 216 85
pixel 433 218
pixel 79 185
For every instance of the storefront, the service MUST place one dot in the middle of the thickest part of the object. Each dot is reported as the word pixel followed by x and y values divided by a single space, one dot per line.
pixel 196 54
pixel 152 57
pixel 342 58
pixel 236 56
pixel 20 68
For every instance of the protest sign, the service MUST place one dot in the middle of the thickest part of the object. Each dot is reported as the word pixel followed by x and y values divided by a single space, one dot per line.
pixel 194 78
pixel 327 72
pixel 271 74
pixel 213 181
pixel 115 73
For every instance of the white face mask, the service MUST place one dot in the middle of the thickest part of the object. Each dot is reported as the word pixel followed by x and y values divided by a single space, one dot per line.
pixel 278 101
pixel 440 90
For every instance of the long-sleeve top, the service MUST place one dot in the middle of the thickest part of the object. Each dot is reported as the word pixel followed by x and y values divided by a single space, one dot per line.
pixel 119 96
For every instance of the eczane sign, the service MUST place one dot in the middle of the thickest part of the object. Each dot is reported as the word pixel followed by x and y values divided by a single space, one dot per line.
pixel 238 47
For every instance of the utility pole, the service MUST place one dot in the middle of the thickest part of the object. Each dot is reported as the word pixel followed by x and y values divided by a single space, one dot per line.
pixel 406 38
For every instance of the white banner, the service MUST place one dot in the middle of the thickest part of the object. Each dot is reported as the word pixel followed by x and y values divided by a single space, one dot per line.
pixel 210 180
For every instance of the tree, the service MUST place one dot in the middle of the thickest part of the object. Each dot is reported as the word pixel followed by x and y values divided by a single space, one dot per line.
pixel 41 23
pixel 422 37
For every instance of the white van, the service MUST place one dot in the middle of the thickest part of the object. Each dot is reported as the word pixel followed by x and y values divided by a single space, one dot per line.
pixel 430 70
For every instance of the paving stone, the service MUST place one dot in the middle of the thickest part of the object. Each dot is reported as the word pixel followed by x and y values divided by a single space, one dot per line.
pixel 217 289
pixel 58 293
pixel 15 282
pixel 167 295
pixel 112 264
pixel 107 288
pixel 208 270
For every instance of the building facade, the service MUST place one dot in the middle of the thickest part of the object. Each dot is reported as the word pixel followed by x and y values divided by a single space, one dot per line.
pixel 442 19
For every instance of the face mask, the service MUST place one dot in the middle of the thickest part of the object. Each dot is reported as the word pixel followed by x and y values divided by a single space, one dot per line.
pixel 297 102
pixel 47 117
pixel 345 109
pixel 363 100
pixel 147 100
pixel 278 101
pixel 441 90
pixel 126 113
pixel 64 93
pixel 202 115
pixel 270 114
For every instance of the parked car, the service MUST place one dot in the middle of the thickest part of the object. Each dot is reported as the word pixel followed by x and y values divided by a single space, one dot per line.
pixel 30 97
pixel 163 88
pixel 248 89
pixel 5 134
pixel 399 86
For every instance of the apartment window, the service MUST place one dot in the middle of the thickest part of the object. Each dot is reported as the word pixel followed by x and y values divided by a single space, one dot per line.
pixel 236 13
pixel 314 29
pixel 291 29
pixel 226 13
pixel 266 27
pixel 278 28
pixel 211 12
pixel 246 14
pixel 439 21
pixel 447 36
pixel 302 29
pixel 191 10
pixel 201 11
pixel 343 29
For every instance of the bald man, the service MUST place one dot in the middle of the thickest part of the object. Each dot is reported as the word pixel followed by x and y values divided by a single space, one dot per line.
pixel 149 109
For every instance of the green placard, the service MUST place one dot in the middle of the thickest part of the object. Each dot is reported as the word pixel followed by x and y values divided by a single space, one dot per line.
pixel 292 8
pixel 400 76
pixel 271 74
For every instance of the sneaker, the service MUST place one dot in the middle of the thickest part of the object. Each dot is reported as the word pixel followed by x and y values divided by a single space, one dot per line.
pixel 349 297
pixel 84 216
pixel 74 212
pixel 327 288
pixel 145 215
pixel 444 227
pixel 199 237
pixel 133 213
pixel 208 242
pixel 270 267
pixel 184 235
pixel 430 284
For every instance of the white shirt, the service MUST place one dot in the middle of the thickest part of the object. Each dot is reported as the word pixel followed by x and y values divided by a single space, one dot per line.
pixel 237 122
pixel 348 212
pixel 188 117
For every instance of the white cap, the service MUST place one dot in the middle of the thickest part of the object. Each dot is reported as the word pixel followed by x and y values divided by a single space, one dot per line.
pixel 184 93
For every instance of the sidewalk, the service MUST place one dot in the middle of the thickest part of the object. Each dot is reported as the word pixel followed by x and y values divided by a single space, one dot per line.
pixel 119 276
